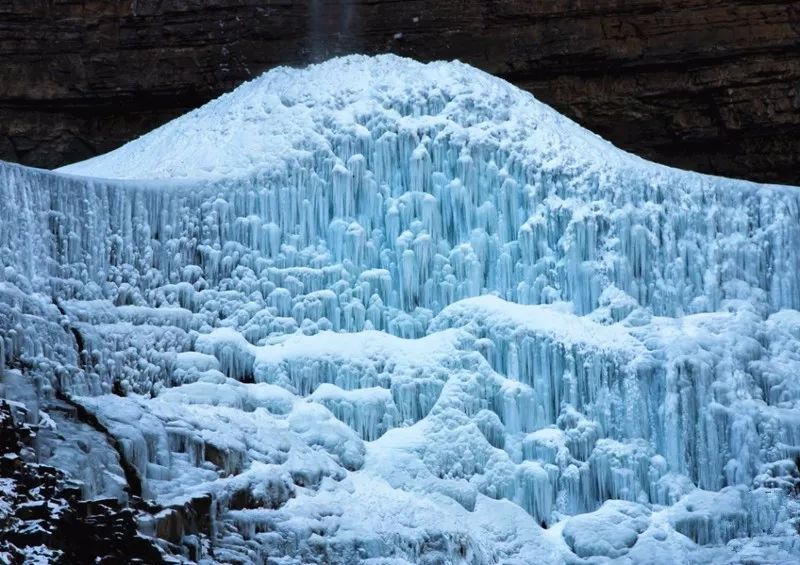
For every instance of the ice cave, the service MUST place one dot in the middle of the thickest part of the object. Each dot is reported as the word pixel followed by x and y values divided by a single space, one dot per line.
pixel 384 312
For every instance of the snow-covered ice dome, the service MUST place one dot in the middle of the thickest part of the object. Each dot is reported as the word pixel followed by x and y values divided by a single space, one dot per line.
pixel 382 311
pixel 289 114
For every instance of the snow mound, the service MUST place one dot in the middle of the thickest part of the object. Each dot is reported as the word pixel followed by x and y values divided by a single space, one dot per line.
pixel 287 114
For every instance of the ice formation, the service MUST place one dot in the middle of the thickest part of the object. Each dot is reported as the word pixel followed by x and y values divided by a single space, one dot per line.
pixel 382 311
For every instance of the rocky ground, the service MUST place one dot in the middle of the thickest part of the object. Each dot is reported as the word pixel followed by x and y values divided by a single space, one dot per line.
pixel 43 518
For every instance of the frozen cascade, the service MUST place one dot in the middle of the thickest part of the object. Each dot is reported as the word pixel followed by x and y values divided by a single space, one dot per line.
pixel 422 313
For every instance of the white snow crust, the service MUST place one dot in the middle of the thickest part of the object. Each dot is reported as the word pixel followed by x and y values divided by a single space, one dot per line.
pixel 391 312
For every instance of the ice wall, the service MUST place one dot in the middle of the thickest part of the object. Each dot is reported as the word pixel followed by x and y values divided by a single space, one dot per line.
pixel 313 317
pixel 325 241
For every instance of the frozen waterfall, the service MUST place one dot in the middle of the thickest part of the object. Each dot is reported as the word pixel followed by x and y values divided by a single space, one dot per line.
pixel 384 310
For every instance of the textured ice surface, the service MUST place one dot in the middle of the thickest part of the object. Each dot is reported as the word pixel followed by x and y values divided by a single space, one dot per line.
pixel 391 312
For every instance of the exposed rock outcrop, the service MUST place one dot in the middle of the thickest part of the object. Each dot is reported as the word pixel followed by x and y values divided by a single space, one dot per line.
pixel 42 516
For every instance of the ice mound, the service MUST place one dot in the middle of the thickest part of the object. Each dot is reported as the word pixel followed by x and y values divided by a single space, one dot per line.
pixel 290 114
pixel 383 311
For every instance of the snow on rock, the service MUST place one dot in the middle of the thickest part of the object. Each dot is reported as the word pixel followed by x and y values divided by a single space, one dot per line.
pixel 383 311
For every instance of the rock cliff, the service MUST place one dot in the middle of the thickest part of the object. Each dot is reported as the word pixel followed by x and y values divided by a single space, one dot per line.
pixel 707 85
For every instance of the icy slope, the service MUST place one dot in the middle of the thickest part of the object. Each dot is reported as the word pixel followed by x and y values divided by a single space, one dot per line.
pixel 380 310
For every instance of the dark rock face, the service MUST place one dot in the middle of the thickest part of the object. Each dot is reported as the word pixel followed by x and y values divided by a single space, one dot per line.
pixel 706 85
pixel 42 516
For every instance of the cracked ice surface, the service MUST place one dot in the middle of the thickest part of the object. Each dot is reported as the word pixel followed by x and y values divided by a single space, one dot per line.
pixel 391 312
